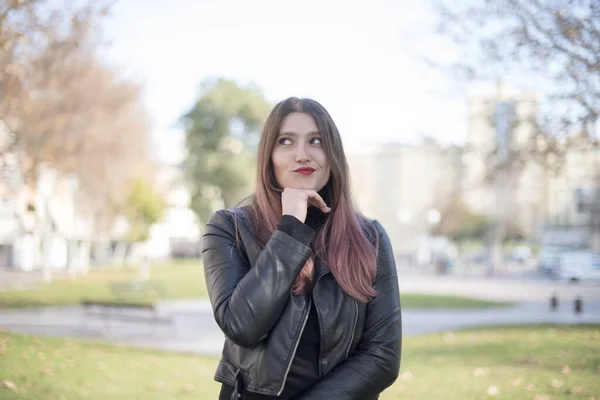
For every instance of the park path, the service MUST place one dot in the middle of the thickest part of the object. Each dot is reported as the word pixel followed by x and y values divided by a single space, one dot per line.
pixel 192 327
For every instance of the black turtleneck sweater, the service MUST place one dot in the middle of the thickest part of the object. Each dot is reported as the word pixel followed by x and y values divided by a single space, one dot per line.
pixel 304 371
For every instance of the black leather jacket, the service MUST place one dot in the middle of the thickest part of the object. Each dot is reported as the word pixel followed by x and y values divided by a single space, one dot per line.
pixel 250 292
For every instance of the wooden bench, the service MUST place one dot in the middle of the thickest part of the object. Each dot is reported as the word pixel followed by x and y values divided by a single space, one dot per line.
pixel 126 311
pixel 138 286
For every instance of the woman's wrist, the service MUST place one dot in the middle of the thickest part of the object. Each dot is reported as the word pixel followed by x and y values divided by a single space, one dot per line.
pixel 296 229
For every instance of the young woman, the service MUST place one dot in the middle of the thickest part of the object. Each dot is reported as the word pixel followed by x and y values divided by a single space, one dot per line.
pixel 304 288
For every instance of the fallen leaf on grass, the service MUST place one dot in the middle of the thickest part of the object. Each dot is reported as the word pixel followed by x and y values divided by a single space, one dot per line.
pixel 530 386
pixel 517 382
pixel 406 376
pixel 449 337
pixel 10 385
pixel 542 397
pixel 160 385
pixel 566 370
pixel 556 383
pixel 576 389
pixel 47 371
pixel 473 339
pixel 493 390
pixel 189 388
pixel 3 346
pixel 478 372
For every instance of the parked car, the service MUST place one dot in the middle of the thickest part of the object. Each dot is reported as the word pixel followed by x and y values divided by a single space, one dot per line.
pixel 549 259
pixel 521 253
pixel 579 266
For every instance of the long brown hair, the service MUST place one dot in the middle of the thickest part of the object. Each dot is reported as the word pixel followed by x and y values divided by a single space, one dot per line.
pixel 342 241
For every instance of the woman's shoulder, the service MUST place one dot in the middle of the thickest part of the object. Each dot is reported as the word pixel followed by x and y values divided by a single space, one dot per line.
pixel 235 212
pixel 372 229
pixel 230 217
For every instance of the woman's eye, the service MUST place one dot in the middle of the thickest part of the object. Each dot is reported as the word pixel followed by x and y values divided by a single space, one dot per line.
pixel 316 141
pixel 285 141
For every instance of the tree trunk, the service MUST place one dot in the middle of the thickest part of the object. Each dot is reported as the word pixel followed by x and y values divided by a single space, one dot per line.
pixel 119 254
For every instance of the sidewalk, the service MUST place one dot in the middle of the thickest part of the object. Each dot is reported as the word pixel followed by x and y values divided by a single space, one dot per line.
pixel 194 329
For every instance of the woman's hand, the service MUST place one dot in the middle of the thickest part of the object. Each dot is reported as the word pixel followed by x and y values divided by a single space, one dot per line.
pixel 295 202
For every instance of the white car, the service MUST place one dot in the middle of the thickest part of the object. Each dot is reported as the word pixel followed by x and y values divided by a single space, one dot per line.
pixel 549 259
pixel 579 266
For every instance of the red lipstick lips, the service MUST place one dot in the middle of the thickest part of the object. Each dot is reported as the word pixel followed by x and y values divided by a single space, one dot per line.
pixel 305 170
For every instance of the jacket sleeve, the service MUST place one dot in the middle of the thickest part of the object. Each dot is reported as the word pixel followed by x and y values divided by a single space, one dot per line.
pixel 248 301
pixel 375 364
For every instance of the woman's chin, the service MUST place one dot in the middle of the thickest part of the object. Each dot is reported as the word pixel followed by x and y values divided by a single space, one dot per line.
pixel 302 185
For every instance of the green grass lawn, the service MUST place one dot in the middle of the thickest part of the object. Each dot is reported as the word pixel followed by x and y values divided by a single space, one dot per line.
pixel 180 279
pixel 538 363
pixel 434 301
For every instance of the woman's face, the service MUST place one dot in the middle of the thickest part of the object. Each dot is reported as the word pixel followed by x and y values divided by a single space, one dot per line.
pixel 299 160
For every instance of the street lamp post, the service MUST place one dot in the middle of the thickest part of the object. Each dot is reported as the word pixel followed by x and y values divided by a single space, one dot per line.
pixel 46 186
pixel 433 218
pixel 403 246
pixel 73 246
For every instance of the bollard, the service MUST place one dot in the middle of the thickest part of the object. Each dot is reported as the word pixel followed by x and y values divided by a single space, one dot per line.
pixel 554 302
pixel 578 305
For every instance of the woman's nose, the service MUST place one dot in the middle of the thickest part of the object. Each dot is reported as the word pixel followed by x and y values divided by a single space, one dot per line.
pixel 302 155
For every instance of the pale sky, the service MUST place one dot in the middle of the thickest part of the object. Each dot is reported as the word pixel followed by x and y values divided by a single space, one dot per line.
pixel 360 59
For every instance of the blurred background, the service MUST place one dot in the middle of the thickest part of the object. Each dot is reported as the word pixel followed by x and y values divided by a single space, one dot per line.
pixel 471 130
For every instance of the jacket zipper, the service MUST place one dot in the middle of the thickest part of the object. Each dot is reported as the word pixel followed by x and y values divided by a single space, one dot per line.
pixel 353 329
pixel 319 358
pixel 287 370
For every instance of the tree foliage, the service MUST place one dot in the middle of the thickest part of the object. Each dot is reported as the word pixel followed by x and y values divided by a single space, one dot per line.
pixel 554 45
pixel 459 222
pixel 222 129
pixel 145 207
pixel 61 106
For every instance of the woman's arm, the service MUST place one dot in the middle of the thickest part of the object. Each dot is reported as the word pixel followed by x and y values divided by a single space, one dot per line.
pixel 248 301
pixel 376 363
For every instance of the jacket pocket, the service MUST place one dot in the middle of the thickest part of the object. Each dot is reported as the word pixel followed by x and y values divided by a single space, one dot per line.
pixel 226 373
pixel 234 376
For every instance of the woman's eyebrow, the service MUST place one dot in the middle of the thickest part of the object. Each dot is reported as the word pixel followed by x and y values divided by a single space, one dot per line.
pixel 296 134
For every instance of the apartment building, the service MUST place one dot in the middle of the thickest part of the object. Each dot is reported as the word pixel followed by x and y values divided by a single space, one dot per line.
pixel 403 186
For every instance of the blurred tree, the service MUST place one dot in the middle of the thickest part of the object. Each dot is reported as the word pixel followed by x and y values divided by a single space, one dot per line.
pixel 145 207
pixel 38 38
pixel 110 147
pixel 553 44
pixel 460 223
pixel 222 130
pixel 61 106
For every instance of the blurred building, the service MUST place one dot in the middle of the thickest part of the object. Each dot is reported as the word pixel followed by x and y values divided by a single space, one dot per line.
pixel 42 226
pixel 502 123
pixel 405 187
pixel 547 207
pixel 178 234
pixel 49 226
pixel 573 206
